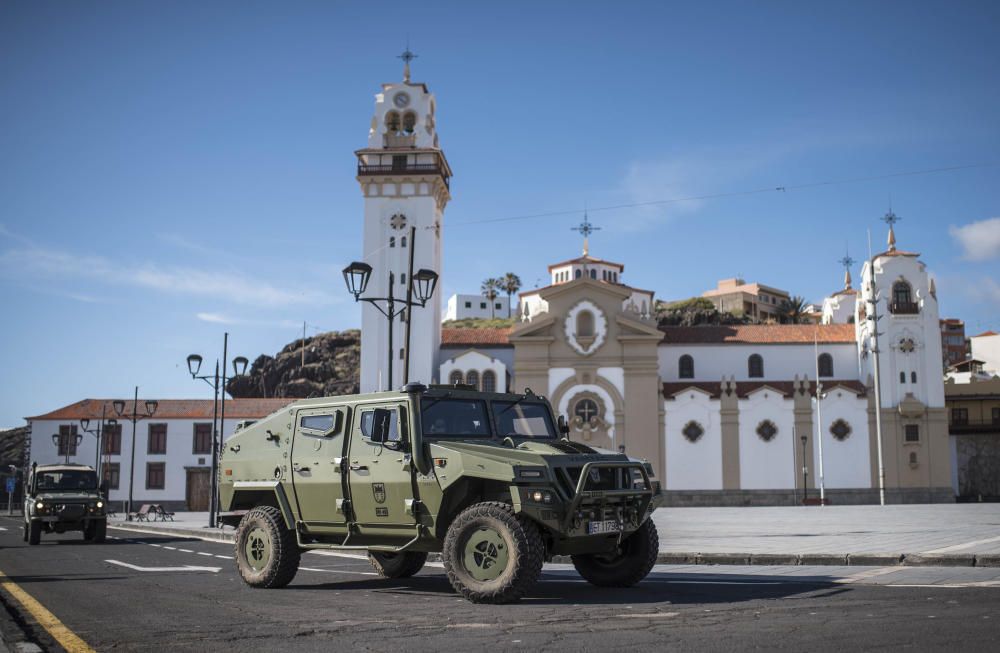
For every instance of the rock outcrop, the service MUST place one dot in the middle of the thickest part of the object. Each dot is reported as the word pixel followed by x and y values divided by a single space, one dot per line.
pixel 331 366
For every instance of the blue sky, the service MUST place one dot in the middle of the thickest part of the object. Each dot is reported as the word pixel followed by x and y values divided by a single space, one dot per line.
pixel 169 171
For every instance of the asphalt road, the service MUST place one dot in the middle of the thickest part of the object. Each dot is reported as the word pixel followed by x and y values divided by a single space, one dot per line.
pixel 196 602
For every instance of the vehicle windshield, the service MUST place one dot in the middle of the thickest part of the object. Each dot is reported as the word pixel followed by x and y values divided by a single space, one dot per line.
pixel 455 418
pixel 524 420
pixel 66 480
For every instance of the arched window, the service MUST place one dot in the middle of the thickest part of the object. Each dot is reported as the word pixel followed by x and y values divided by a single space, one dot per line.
pixel 455 377
pixel 825 365
pixel 578 273
pixel 392 121
pixel 472 378
pixel 409 122
pixel 902 298
pixel 685 367
pixel 402 241
pixel 913 377
pixel 902 377
pixel 593 274
pixel 392 241
pixel 489 381
pixel 584 324
pixel 755 366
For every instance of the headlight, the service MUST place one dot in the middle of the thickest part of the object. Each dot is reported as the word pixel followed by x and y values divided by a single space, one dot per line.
pixel 541 496
pixel 530 473
pixel 100 504
pixel 39 505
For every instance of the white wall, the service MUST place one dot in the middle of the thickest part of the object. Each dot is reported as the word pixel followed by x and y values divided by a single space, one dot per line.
pixel 180 442
pixel 987 349
pixel 693 465
pixel 845 464
pixel 767 465
pixel 479 307
pixel 781 362
pixel 477 361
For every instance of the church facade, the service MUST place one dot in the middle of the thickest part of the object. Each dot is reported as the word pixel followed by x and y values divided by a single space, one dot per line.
pixel 727 415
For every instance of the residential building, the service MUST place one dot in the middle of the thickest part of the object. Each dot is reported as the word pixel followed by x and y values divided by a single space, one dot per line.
pixel 974 427
pixel 954 348
pixel 986 348
pixel 461 307
pixel 759 302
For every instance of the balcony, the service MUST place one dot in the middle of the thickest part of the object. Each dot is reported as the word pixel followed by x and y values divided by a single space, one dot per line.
pixel 391 140
pixel 904 308
pixel 371 170
pixel 959 425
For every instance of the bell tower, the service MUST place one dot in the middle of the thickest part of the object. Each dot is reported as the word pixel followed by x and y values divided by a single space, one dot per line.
pixel 404 179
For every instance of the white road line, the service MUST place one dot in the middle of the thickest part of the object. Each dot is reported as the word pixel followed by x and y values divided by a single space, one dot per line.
pixel 650 615
pixel 338 554
pixel 185 550
pixel 156 545
pixel 224 557
pixel 2 528
pixel 202 553
pixel 172 548
pixel 340 571
pixel 864 575
pixel 189 568
pixel 966 545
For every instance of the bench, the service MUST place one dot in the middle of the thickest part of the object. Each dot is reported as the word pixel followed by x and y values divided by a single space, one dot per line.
pixel 143 514
pixel 162 513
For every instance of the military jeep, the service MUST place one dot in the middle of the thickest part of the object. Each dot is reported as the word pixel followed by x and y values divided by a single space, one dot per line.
pixel 489 480
pixel 60 498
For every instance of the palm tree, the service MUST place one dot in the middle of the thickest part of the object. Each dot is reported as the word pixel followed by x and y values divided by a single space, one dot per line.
pixel 793 310
pixel 490 289
pixel 511 283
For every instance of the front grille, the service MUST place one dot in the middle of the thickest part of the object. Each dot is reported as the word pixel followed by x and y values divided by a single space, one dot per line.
pixel 600 479
pixel 70 510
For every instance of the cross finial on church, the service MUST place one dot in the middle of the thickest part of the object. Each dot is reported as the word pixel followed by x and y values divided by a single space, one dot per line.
pixel 585 228
pixel 847 262
pixel 890 219
pixel 407 57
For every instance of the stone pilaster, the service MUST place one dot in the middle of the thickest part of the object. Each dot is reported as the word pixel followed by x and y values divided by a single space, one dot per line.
pixel 729 419
pixel 803 410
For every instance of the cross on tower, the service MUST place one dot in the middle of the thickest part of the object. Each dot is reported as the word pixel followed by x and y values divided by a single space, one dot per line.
pixel 847 262
pixel 407 57
pixel 585 228
pixel 890 219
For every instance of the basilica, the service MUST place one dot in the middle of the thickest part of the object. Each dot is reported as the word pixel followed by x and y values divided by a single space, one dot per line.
pixel 727 415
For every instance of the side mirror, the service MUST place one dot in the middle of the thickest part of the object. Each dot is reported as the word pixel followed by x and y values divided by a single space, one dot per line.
pixel 563 425
pixel 380 425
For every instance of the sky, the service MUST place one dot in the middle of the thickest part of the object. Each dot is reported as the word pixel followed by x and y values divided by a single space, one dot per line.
pixel 173 171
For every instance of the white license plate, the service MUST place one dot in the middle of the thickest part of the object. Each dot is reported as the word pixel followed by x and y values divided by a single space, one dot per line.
pixel 597 527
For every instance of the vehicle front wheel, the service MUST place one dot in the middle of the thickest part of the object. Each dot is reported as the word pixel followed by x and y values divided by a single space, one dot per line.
pixel 25 529
pixel 626 565
pixel 492 555
pixel 34 532
pixel 95 531
pixel 397 565
pixel 267 554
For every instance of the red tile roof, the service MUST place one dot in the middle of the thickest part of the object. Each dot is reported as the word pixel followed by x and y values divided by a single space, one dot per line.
pixel 759 334
pixel 985 334
pixel 469 337
pixel 587 259
pixel 169 409
pixel 744 388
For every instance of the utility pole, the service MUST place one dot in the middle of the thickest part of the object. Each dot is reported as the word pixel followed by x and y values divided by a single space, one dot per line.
pixel 878 386
pixel 819 421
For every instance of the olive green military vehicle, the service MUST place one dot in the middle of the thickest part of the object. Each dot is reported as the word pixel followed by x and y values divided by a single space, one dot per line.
pixel 60 498
pixel 486 479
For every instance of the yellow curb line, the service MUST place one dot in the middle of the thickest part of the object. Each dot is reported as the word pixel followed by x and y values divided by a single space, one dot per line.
pixel 66 637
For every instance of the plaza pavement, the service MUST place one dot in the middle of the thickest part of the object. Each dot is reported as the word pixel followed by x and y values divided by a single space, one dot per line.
pixel 914 535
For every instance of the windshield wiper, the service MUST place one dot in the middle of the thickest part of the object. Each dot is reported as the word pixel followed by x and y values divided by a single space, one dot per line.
pixel 516 402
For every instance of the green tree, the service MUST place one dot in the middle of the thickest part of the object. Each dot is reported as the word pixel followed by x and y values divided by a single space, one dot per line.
pixel 511 284
pixel 793 310
pixel 491 288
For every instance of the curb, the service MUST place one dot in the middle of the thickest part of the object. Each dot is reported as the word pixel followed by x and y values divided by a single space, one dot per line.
pixel 14 638
pixel 688 557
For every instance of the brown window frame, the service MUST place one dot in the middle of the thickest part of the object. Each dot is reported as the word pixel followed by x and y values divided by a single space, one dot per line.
pixel 205 433
pixel 112 471
pixel 960 416
pixel 111 440
pixel 149 439
pixel 67 440
pixel 911 433
pixel 162 470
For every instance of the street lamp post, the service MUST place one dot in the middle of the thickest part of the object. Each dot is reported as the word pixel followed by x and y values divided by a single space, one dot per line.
pixel 57 439
pixel 135 417
pixel 419 285
pixel 97 433
pixel 239 369
pixel 805 472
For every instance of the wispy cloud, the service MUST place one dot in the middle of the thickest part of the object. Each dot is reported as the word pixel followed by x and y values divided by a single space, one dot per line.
pixel 222 318
pixel 180 242
pixel 980 240
pixel 31 263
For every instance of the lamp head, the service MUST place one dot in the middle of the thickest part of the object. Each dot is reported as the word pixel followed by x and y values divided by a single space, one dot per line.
pixel 356 276
pixel 240 365
pixel 151 405
pixel 194 364
pixel 119 406
pixel 84 423
pixel 424 282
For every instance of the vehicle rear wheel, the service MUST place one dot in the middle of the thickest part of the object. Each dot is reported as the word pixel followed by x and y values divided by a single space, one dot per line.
pixel 627 565
pixel 397 565
pixel 267 554
pixel 34 532
pixel 96 531
pixel 492 555
pixel 25 529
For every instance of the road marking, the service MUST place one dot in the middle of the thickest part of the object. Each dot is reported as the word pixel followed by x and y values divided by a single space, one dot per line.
pixel 649 615
pixel 172 548
pixel 2 528
pixel 156 545
pixel 59 632
pixel 185 550
pixel 202 553
pixel 338 554
pixel 224 557
pixel 966 545
pixel 865 575
pixel 339 571
pixel 214 570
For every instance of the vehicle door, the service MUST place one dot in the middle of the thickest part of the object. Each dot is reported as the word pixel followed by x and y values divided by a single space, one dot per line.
pixel 318 467
pixel 380 474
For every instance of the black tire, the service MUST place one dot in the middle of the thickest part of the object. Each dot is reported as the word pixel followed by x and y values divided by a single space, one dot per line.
pixel 626 566
pixel 35 532
pixel 88 531
pixel 397 565
pixel 98 531
pixel 267 555
pixel 512 543
pixel 25 529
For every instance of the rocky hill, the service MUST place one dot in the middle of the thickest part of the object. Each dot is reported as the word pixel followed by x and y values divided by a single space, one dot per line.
pixel 12 445
pixel 332 367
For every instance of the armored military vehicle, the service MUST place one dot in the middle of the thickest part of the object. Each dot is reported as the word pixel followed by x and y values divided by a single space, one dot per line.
pixel 488 480
pixel 60 498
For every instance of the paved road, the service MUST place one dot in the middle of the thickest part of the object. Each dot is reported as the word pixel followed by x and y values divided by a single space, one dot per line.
pixel 337 603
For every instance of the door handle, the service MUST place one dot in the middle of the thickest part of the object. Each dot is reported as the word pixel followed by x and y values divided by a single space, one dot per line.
pixel 358 468
pixel 300 469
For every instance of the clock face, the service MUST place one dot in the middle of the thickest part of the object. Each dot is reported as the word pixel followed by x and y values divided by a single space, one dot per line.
pixel 401 100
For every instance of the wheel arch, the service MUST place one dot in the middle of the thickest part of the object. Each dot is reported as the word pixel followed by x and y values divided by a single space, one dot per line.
pixel 251 495
pixel 465 492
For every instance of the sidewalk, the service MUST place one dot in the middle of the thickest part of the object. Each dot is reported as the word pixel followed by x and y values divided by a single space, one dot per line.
pixel 935 535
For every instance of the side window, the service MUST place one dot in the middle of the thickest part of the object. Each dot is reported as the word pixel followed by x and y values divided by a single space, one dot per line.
pixel 327 423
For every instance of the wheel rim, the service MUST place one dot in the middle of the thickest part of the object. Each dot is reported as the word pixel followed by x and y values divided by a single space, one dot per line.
pixel 486 555
pixel 258 549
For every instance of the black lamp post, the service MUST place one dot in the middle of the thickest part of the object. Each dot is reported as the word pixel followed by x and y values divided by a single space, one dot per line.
pixel 420 288
pixel 805 471
pixel 135 416
pixel 97 433
pixel 239 369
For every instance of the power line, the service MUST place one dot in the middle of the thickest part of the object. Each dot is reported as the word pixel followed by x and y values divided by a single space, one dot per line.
pixel 755 191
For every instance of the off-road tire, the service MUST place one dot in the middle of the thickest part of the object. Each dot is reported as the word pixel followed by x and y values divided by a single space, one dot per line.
pixel 34 532
pixel 25 529
pixel 628 565
pixel 397 565
pixel 279 555
pixel 95 531
pixel 524 553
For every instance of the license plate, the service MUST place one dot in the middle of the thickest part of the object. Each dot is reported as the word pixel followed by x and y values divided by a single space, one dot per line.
pixel 607 526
